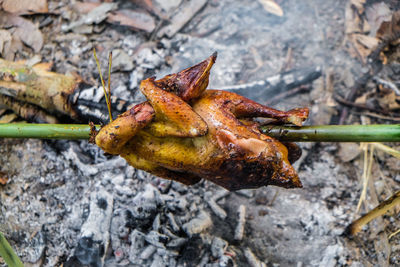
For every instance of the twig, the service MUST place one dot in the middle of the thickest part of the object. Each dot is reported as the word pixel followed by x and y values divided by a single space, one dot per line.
pixel 388 84
pixel 381 209
pixel 374 115
pixel 288 93
pixel 360 106
pixel 376 67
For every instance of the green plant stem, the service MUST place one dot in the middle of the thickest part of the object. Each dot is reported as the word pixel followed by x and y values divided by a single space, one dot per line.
pixel 45 131
pixel 8 254
pixel 335 133
pixel 322 133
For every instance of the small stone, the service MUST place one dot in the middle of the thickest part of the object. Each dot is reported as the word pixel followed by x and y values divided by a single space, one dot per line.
pixel 348 151
pixel 121 61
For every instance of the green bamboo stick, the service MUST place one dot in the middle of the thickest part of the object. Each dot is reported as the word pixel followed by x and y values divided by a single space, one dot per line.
pixel 8 254
pixel 336 133
pixel 44 131
pixel 322 133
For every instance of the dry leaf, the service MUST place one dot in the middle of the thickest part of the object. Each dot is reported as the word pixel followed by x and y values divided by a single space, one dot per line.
pixel 3 178
pixel 130 18
pixel 364 45
pixel 155 9
pixel 376 14
pixel 362 99
pixel 95 16
pixel 272 7
pixel 25 6
pixel 25 30
pixel 5 42
pixel 390 29
pixel 84 7
pixel 8 118
pixel 368 42
pixel 389 101
pixel 359 5
pixel 133 19
pixel 354 23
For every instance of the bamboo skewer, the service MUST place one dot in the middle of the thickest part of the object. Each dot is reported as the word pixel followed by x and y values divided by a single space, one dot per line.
pixel 336 133
pixel 44 131
pixel 321 133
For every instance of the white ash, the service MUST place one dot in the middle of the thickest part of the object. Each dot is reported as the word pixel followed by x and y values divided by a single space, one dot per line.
pixel 147 58
pixel 172 222
pixel 130 42
pixel 252 259
pixel 148 252
pixel 218 247
pixel 241 218
pixel 74 154
pixel 156 239
pixel 121 61
pixel 220 212
pixel 135 78
pixel 122 92
pixel 220 194
pixel 151 223
pixel 157 261
pixel 246 193
pixel 95 232
pixel 197 225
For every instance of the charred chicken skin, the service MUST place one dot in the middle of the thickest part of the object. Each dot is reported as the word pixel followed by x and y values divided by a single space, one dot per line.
pixel 185 133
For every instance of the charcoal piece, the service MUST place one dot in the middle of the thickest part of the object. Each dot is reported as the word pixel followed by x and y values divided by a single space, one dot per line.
pixel 143 209
pixel 263 90
pixel 87 253
pixel 156 239
pixel 191 253
pixel 148 252
pixel 241 217
pixel 177 243
pixel 220 212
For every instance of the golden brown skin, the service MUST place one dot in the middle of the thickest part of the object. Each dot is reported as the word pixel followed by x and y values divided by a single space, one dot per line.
pixel 185 133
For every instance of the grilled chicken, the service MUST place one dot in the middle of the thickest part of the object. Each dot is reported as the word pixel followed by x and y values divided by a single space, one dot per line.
pixel 187 133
